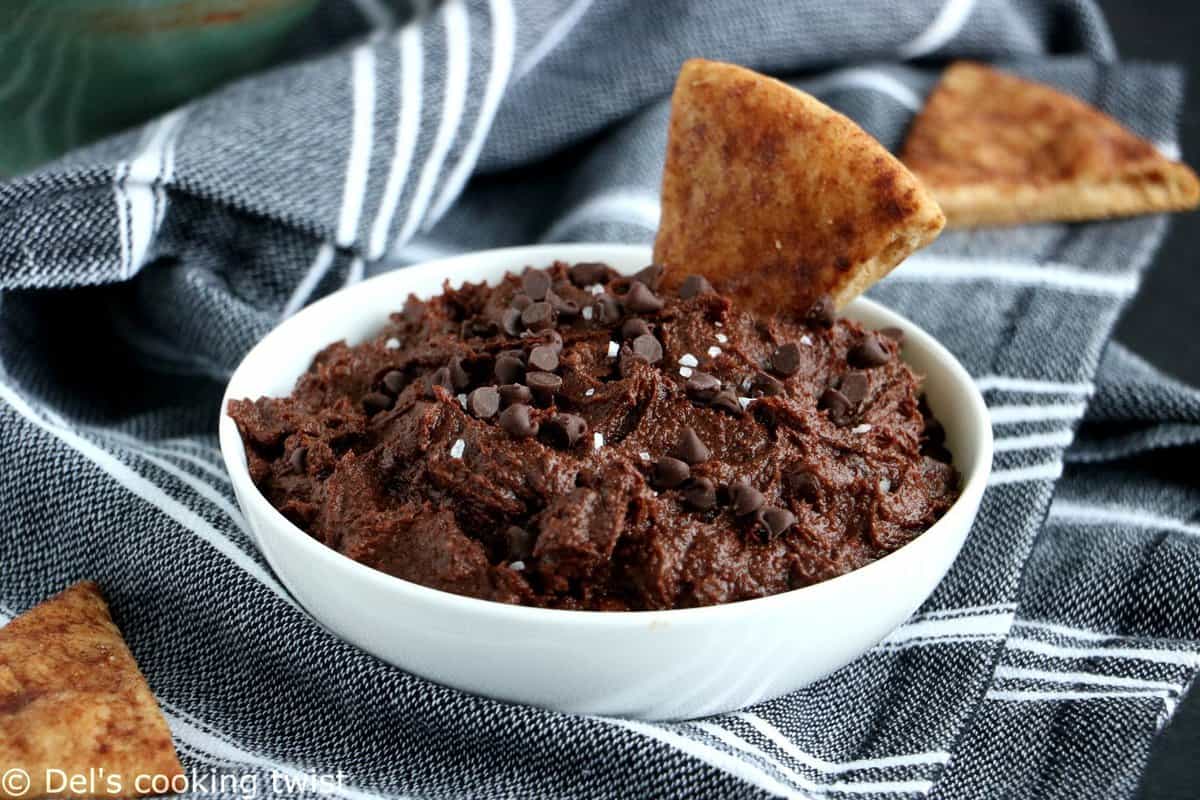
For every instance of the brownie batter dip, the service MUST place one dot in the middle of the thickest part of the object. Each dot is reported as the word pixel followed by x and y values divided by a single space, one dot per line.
pixel 575 439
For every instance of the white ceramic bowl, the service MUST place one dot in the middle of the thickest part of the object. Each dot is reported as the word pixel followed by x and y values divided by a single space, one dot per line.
pixel 642 664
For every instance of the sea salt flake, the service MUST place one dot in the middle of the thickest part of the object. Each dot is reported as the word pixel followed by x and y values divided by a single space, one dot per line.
pixel 719 324
pixel 597 440
pixel 456 450
pixel 806 340
pixel 613 349
pixel 885 485
pixel 722 338
pixel 744 401
pixel 714 351
pixel 588 311
pixel 689 360
pixel 778 245
pixel 644 455
pixel 517 566
pixel 596 288
pixel 745 384
pixel 462 401
pixel 861 428
pixel 685 372
pixel 392 344
pixel 589 393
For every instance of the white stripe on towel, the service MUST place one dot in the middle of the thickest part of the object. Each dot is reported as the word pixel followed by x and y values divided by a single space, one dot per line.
pixel 503 43
pixel 1084 514
pixel 458 52
pixel 1056 276
pixel 865 78
pixel 408 127
pixel 945 26
pixel 147 491
pixel 1037 472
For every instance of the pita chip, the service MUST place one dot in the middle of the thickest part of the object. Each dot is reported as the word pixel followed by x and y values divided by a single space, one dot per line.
pixel 73 701
pixel 996 149
pixel 778 199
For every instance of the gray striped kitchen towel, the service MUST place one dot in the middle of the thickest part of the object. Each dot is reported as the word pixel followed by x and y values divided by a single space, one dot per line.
pixel 134 274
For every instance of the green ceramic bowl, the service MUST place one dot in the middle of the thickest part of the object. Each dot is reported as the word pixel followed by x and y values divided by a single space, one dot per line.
pixel 74 70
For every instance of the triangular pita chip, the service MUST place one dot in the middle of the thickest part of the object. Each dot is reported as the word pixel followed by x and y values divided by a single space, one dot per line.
pixel 999 150
pixel 778 199
pixel 72 699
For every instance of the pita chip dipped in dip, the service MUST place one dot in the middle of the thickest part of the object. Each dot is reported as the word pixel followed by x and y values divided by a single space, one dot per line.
pixel 776 198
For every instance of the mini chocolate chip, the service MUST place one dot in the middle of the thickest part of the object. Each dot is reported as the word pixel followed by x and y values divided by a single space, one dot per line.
pixel 393 381
pixel 727 400
pixel 776 521
pixel 746 499
pixel 561 305
pixel 670 472
pixel 640 300
pixel 297 459
pixel 484 402
pixel 478 327
pixel 608 309
pixel 634 328
pixel 374 402
pixel 868 353
pixel 895 334
pixel 702 387
pixel 413 311
pixel 458 374
pixel 854 387
pixel 650 275
pixel 536 283
pixel 700 495
pixel 804 485
pixel 515 421
pixel 786 360
pixel 647 348
pixel 553 339
pixel 441 377
pixel 521 301
pixel 840 409
pixel 509 369
pixel 510 320
pixel 822 313
pixel 694 286
pixel 565 429
pixel 690 449
pixel 543 385
pixel 544 358
pixel 765 385
pixel 515 393
pixel 519 543
pixel 538 316
pixel 587 273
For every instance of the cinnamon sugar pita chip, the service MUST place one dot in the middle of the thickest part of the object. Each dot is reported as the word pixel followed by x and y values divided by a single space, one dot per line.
pixel 73 703
pixel 778 199
pixel 996 149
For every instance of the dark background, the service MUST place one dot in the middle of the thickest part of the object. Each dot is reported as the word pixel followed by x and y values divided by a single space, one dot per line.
pixel 1163 324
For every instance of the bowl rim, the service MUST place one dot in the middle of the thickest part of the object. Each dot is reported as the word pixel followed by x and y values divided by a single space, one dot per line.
pixel 974 478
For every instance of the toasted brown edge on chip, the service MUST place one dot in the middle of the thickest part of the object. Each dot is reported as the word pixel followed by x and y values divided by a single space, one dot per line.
pixel 973 145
